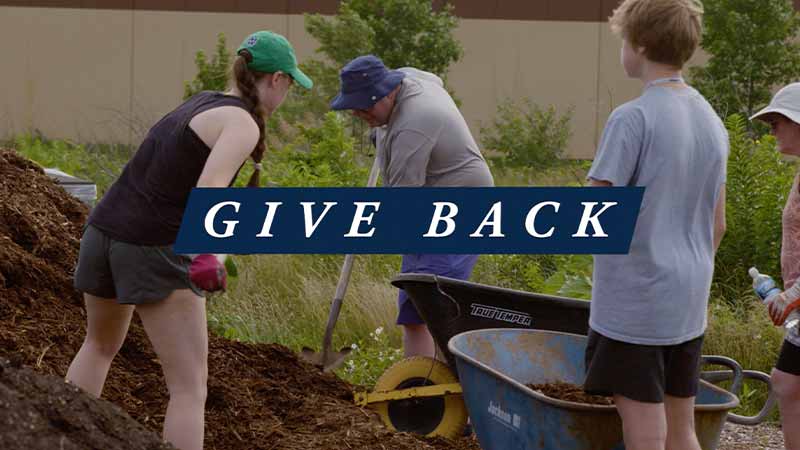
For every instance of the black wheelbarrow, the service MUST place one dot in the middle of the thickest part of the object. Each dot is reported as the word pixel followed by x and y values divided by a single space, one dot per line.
pixel 423 395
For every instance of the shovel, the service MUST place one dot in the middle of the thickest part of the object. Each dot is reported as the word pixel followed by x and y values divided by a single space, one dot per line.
pixel 328 358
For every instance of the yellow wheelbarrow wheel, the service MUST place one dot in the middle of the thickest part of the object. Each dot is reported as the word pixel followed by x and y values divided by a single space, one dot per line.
pixel 429 416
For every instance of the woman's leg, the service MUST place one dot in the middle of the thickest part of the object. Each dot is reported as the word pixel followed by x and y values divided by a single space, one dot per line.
pixel 107 326
pixel 177 329
pixel 787 389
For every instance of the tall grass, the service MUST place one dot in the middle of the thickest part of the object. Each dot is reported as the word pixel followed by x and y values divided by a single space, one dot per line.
pixel 565 173
pixel 745 333
pixel 286 299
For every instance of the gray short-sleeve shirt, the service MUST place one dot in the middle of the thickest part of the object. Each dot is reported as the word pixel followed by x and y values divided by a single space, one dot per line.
pixel 673 143
pixel 427 141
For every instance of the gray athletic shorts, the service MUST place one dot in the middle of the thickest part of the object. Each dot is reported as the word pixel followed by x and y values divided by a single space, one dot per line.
pixel 131 274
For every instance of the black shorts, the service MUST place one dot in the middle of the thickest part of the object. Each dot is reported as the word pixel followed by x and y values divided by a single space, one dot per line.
pixel 131 274
pixel 642 372
pixel 789 359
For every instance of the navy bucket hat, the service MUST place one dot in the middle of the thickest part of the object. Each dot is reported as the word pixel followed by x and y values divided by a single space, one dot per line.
pixel 364 81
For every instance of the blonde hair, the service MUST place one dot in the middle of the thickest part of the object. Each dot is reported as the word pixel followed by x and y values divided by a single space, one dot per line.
pixel 668 30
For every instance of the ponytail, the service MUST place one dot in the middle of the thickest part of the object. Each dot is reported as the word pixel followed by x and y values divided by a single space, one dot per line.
pixel 245 80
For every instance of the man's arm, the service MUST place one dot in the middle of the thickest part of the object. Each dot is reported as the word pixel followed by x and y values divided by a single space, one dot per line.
pixel 719 218
pixel 410 152
pixel 599 183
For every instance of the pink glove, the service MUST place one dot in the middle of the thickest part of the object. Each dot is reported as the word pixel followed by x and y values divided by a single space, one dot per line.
pixel 208 273
pixel 781 305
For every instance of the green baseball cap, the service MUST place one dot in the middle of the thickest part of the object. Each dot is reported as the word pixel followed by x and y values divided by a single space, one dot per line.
pixel 273 53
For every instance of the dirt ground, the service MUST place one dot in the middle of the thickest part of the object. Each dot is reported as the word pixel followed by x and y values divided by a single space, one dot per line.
pixel 259 396
pixel 761 437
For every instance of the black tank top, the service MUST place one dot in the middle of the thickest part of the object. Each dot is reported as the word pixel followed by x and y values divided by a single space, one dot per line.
pixel 145 205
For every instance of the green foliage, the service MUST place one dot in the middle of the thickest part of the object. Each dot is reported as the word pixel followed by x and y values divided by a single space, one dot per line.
pixel 753 49
pixel 563 275
pixel 99 163
pixel 306 106
pixel 400 32
pixel 319 156
pixel 369 359
pixel 211 75
pixel 526 135
pixel 757 185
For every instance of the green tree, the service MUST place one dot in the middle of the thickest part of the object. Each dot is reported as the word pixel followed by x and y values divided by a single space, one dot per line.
pixel 211 75
pixel 400 32
pixel 753 49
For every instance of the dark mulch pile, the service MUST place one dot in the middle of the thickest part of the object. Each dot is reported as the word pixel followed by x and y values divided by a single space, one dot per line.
pixel 42 411
pixel 571 393
pixel 259 396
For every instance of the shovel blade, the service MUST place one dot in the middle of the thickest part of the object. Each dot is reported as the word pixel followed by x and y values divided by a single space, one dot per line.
pixel 333 360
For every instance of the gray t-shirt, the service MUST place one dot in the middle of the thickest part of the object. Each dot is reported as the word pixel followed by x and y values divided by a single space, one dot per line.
pixel 427 141
pixel 673 143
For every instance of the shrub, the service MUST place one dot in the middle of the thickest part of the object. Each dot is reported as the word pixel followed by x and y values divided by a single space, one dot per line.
pixel 757 185
pixel 526 135
pixel 211 75
pixel 563 275
pixel 319 156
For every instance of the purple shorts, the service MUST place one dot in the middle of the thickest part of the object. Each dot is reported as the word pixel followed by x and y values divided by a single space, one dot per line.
pixel 452 266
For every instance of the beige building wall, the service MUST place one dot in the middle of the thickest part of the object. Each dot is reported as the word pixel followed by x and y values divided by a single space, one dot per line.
pixel 106 75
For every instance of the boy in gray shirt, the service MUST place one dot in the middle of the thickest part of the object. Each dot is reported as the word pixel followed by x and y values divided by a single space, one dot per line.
pixel 648 312
pixel 422 140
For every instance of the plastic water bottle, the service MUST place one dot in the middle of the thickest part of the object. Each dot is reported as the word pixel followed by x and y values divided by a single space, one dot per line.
pixel 765 287
pixel 763 284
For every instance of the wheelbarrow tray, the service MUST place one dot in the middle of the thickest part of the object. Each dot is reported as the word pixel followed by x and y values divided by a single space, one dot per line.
pixel 496 365
pixel 449 307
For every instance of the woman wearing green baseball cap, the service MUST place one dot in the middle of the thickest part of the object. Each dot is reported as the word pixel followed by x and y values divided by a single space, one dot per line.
pixel 126 261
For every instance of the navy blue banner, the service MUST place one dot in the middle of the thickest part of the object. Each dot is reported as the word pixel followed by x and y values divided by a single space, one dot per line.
pixel 410 220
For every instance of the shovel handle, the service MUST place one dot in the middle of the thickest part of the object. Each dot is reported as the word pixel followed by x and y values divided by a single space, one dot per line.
pixel 344 279
pixel 336 304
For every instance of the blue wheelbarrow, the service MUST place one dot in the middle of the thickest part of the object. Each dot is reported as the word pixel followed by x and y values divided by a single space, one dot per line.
pixel 424 396
pixel 495 367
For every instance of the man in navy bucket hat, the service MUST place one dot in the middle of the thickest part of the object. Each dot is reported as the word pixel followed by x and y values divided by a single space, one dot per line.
pixel 365 81
pixel 422 140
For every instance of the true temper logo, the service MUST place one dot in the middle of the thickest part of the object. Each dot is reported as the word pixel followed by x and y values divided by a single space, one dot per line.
pixel 506 418
pixel 503 315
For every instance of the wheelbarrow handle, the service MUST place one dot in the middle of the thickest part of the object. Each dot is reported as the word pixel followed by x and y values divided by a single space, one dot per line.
pixel 768 405
pixel 738 375
pixel 716 376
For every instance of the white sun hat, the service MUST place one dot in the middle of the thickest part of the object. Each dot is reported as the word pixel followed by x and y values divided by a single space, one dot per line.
pixel 786 102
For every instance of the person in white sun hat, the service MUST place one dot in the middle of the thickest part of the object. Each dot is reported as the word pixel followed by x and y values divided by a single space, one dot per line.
pixel 783 116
